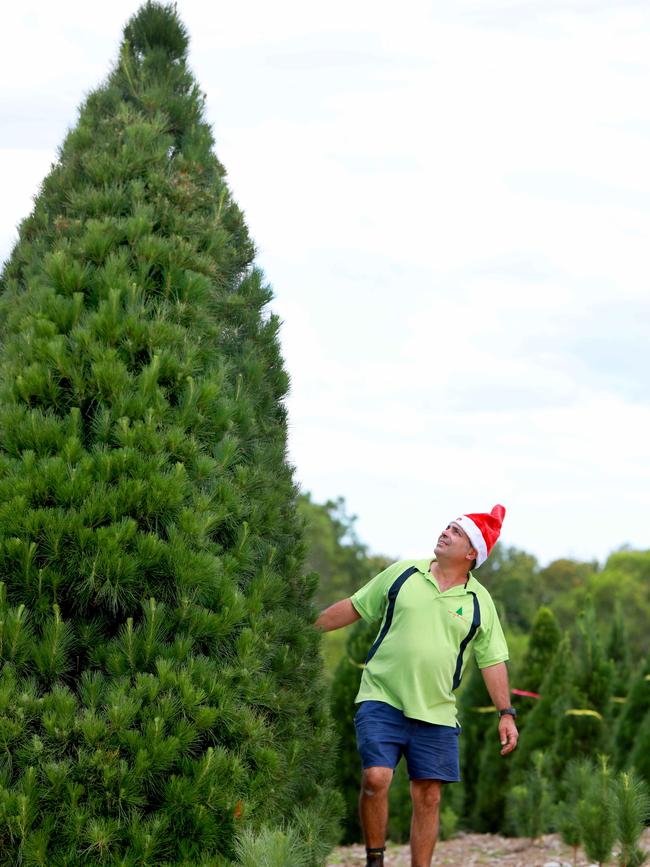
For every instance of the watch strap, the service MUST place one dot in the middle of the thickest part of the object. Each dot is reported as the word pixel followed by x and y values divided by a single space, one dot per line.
pixel 510 711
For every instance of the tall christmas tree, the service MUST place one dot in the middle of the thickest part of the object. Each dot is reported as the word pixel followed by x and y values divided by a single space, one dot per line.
pixel 161 684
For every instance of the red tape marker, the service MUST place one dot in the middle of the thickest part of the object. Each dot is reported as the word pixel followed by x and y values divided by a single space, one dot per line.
pixel 525 692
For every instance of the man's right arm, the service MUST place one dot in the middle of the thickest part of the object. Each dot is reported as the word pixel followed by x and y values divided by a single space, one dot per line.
pixel 369 602
pixel 340 614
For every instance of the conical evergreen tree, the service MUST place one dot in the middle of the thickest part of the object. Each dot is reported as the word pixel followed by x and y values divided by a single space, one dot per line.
pixel 639 758
pixel 575 783
pixel 529 805
pixel 478 723
pixel 618 652
pixel 161 681
pixel 541 724
pixel 584 730
pixel 632 715
pixel 631 813
pixel 544 640
pixel 491 791
pixel 595 814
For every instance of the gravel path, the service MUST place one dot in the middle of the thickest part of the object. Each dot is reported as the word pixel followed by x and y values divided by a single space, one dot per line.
pixel 467 850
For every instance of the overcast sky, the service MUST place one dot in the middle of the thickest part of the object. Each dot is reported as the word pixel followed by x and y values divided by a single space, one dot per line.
pixel 452 204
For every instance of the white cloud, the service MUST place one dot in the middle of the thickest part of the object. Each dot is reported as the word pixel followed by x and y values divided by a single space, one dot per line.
pixel 451 202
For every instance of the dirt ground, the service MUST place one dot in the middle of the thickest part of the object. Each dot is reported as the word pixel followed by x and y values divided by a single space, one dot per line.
pixel 466 850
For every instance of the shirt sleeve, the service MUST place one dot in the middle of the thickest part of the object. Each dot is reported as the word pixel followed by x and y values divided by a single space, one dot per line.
pixel 370 600
pixel 490 645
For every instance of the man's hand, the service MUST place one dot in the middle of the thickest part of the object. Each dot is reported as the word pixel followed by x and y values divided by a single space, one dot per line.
pixel 508 734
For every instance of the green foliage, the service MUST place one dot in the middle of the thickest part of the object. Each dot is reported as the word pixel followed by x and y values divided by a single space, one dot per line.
pixel 624 578
pixel 632 715
pixel 544 640
pixel 334 550
pixel 542 646
pixel 595 814
pixel 399 805
pixel 568 719
pixel 631 813
pixel 341 561
pixel 594 671
pixel 599 808
pixel 477 728
pixel 563 586
pixel 575 783
pixel 639 758
pixel 271 847
pixel 582 730
pixel 520 587
pixel 542 722
pixel 529 810
pixel 157 27
pixel 448 822
pixel 492 786
pixel 618 651
pixel 509 575
pixel 161 683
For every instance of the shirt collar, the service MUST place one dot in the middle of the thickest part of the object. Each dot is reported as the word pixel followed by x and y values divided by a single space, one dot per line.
pixel 423 566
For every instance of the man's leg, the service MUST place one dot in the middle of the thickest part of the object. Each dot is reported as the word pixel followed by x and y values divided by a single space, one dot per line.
pixel 373 806
pixel 425 795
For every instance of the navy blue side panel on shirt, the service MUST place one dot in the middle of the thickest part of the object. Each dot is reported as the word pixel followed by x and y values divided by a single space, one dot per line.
pixel 392 596
pixel 476 622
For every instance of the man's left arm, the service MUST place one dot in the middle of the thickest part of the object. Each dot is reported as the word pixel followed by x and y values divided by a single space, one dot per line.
pixel 496 681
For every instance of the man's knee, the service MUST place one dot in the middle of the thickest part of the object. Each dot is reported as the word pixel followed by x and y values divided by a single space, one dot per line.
pixel 376 781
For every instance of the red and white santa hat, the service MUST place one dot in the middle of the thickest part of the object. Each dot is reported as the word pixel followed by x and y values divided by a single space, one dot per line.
pixel 483 530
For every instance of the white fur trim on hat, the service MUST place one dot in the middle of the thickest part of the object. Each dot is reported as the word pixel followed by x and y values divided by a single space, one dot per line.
pixel 475 537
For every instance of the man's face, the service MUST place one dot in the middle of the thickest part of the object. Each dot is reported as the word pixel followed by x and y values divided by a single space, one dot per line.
pixel 454 545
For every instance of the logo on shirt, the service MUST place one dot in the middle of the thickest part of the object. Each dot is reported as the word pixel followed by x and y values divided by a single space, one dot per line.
pixel 458 613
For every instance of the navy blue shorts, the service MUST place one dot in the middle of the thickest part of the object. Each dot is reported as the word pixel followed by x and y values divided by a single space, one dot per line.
pixel 384 735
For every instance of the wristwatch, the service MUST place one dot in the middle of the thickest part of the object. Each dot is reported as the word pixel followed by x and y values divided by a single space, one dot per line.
pixel 508 710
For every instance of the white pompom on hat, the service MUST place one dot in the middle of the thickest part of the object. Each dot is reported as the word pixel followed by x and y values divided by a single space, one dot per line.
pixel 483 530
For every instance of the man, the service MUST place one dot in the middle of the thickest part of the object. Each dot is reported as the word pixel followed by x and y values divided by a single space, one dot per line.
pixel 432 612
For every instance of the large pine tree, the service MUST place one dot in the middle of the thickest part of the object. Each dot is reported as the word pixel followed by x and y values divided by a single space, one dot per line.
pixel 161 681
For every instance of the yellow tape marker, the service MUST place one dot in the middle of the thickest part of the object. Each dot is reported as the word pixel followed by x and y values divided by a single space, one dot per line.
pixel 583 712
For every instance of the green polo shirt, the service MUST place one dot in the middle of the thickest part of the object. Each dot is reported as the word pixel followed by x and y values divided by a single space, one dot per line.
pixel 417 659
